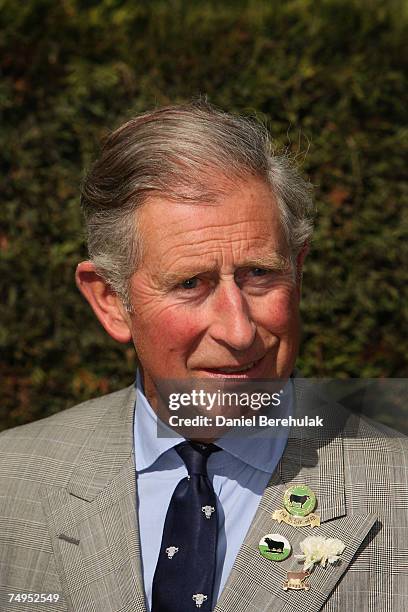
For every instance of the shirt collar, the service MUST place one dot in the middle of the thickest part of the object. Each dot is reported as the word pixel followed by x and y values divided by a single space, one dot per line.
pixel 260 452
pixel 148 444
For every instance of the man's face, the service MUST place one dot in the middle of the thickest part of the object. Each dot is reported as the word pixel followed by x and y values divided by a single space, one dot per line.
pixel 214 294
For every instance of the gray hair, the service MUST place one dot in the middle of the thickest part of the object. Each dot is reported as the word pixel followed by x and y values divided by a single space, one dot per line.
pixel 175 151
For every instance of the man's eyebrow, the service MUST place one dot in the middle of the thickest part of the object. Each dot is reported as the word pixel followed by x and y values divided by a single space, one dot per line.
pixel 271 261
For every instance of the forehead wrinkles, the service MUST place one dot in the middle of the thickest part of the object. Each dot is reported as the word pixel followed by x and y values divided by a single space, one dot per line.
pixel 223 262
pixel 223 248
pixel 222 232
pixel 221 226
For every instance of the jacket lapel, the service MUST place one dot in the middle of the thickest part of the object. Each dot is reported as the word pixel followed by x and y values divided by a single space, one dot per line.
pixel 255 583
pixel 93 521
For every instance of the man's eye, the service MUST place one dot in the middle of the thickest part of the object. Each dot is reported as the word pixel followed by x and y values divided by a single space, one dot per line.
pixel 189 283
pixel 259 271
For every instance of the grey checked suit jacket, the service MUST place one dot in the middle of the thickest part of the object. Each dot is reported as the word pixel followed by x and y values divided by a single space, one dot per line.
pixel 68 521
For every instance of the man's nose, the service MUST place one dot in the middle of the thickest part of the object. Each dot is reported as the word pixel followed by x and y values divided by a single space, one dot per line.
pixel 232 323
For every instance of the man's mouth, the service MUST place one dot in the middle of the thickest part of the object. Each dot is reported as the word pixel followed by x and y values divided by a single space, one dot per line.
pixel 237 370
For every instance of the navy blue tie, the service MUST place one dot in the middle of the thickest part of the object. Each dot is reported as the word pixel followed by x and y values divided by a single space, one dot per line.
pixel 185 570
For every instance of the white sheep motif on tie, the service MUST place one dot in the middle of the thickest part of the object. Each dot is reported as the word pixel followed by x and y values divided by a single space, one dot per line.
pixel 208 510
pixel 171 551
pixel 199 599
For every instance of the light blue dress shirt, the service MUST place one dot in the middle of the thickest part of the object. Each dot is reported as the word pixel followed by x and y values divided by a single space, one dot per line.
pixel 239 474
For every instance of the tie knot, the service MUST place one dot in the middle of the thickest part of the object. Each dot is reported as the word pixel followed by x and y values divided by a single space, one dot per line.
pixel 195 455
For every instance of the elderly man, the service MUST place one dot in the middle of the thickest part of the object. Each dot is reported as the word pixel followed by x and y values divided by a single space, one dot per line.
pixel 197 233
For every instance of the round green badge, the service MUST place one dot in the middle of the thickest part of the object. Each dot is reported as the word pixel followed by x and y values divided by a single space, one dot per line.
pixel 275 547
pixel 299 500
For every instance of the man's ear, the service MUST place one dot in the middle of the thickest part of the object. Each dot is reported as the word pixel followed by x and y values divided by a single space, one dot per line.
pixel 299 266
pixel 104 302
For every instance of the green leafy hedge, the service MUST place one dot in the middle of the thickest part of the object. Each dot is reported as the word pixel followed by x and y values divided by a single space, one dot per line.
pixel 327 75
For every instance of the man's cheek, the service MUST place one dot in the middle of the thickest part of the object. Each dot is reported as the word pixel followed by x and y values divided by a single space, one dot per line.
pixel 280 312
pixel 175 330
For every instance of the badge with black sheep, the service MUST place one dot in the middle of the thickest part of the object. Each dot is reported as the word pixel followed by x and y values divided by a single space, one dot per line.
pixel 299 500
pixel 275 547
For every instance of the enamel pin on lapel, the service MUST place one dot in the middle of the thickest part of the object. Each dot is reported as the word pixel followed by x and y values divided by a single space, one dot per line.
pixel 275 547
pixel 296 581
pixel 299 502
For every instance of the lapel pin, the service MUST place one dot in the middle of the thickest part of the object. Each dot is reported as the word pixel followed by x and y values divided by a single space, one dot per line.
pixel 296 581
pixel 275 547
pixel 320 550
pixel 299 502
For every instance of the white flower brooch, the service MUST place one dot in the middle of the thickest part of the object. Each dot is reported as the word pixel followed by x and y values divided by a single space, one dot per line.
pixel 321 550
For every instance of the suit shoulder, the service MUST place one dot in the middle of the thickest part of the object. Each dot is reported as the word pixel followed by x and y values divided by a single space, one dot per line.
pixel 376 442
pixel 366 427
pixel 75 423
pixel 46 452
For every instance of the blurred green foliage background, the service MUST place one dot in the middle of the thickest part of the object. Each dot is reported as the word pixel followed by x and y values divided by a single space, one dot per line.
pixel 329 77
